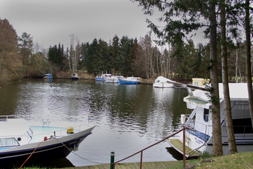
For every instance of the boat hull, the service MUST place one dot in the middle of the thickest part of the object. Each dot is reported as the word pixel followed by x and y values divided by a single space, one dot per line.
pixel 46 151
pixel 197 142
pixel 128 82
pixel 163 85
pixel 99 79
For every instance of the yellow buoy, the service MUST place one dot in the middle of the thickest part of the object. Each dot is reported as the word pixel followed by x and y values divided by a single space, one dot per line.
pixel 70 130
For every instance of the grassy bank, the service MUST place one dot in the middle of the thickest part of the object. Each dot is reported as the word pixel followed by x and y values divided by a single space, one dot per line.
pixel 239 160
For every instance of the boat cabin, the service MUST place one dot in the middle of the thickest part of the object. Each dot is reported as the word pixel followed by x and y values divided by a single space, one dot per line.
pixel 47 76
pixel 14 132
pixel 200 139
pixel 201 117
pixel 200 82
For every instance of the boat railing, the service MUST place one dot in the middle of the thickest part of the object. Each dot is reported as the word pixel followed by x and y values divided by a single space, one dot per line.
pixel 60 131
pixel 113 164
pixel 6 117
pixel 190 123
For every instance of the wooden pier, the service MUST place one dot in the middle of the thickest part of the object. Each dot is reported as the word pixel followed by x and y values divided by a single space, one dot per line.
pixel 145 165
pixel 178 145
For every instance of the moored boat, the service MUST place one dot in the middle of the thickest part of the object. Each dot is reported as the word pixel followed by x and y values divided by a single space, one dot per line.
pixel 200 120
pixel 113 79
pixel 162 82
pixel 74 76
pixel 19 139
pixel 103 77
pixel 129 80
pixel 48 76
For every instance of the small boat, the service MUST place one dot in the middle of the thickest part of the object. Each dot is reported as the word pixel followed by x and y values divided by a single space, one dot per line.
pixel 20 139
pixel 200 140
pixel 129 80
pixel 103 77
pixel 74 76
pixel 48 76
pixel 162 82
pixel 113 79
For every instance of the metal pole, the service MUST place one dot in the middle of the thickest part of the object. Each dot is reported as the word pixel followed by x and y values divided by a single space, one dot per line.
pixel 141 160
pixel 184 146
pixel 112 160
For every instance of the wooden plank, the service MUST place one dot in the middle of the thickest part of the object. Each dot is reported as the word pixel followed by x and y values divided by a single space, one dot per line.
pixel 178 145
pixel 145 165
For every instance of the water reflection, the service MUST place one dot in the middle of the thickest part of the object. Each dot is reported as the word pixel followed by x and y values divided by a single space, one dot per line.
pixel 128 117
pixel 8 98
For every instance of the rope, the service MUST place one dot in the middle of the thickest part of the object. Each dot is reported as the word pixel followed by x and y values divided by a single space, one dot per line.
pixel 30 154
pixel 81 156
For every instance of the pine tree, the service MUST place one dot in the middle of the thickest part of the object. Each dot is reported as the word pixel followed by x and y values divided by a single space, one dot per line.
pixel 25 47
pixel 224 55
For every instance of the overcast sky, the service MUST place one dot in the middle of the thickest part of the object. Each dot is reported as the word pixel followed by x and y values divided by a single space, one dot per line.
pixel 53 21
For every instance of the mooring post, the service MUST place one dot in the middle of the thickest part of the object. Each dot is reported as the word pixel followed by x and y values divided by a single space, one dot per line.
pixel 184 147
pixel 112 160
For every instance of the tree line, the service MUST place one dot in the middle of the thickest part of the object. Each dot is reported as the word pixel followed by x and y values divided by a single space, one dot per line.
pixel 120 56
pixel 142 58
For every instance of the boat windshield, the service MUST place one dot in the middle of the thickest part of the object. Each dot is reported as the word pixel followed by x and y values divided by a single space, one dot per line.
pixel 8 142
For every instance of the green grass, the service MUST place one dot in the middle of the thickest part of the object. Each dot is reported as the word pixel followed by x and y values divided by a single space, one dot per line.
pixel 234 161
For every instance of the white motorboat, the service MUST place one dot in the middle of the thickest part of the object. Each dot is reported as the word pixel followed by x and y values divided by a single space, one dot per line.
pixel 20 138
pixel 200 119
pixel 129 80
pixel 162 82
pixel 113 79
pixel 103 77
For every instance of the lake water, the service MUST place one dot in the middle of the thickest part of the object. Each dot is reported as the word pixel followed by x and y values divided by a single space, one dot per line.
pixel 128 118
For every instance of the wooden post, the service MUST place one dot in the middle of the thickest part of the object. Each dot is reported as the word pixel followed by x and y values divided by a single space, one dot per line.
pixel 184 146
pixel 141 160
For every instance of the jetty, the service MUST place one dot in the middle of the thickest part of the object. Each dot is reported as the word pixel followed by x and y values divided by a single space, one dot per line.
pixel 145 165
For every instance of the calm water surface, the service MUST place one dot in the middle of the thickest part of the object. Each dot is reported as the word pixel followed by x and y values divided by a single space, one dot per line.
pixel 128 117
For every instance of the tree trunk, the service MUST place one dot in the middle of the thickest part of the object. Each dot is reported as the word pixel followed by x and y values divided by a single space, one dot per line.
pixel 248 62
pixel 217 143
pixel 236 62
pixel 224 55
pixel 68 56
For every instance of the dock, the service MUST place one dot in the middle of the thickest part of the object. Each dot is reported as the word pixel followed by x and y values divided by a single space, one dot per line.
pixel 178 145
pixel 145 165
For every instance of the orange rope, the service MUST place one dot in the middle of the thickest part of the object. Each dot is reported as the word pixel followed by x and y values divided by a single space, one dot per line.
pixel 30 155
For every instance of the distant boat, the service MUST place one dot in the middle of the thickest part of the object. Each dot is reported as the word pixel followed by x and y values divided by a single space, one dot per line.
pixel 103 77
pixel 74 76
pixel 45 142
pixel 129 80
pixel 48 76
pixel 113 79
pixel 162 82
